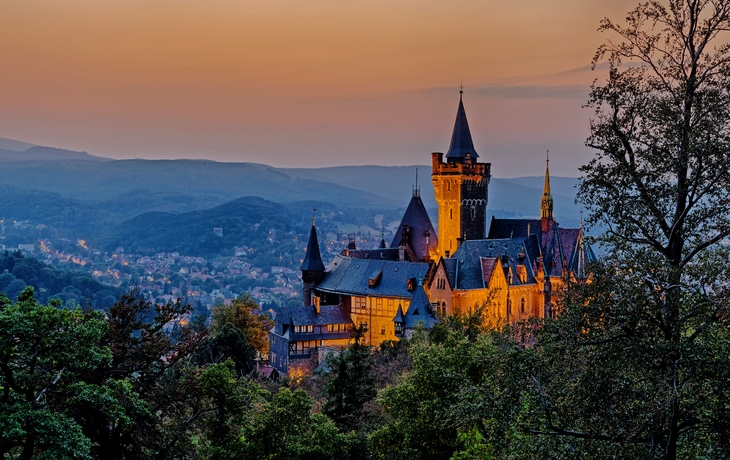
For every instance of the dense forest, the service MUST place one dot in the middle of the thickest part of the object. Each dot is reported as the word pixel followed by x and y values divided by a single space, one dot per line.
pixel 69 286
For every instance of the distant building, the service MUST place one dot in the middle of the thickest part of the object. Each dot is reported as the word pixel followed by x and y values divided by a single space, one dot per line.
pixel 217 231
pixel 26 248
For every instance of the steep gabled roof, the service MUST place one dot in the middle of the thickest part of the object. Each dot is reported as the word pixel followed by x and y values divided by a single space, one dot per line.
pixel 353 277
pixel 476 260
pixel 488 265
pixel 313 258
pixel 399 316
pixel 461 142
pixel 418 224
pixel 419 311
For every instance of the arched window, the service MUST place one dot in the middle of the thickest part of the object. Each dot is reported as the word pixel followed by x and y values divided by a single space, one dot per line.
pixel 509 308
pixel 451 213
pixel 522 305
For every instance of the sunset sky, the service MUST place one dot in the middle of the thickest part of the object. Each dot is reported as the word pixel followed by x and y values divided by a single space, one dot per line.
pixel 303 83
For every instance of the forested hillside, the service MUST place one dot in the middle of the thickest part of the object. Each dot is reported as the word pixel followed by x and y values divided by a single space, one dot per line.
pixel 70 286
pixel 247 221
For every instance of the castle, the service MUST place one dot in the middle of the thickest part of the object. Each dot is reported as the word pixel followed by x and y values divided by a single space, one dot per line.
pixel 514 268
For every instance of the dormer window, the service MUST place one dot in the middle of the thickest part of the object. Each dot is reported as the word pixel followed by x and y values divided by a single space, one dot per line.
pixel 411 284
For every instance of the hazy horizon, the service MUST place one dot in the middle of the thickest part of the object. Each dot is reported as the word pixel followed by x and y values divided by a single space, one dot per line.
pixel 303 84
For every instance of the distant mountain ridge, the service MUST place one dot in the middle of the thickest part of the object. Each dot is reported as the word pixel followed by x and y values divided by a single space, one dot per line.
pixel 514 197
pixel 12 144
pixel 88 195
pixel 36 153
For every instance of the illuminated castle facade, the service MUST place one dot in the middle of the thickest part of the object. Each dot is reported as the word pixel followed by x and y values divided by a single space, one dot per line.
pixel 514 268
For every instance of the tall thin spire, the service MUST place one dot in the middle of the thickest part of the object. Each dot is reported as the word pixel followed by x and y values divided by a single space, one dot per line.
pixel 313 258
pixel 416 190
pixel 546 204
pixel 461 142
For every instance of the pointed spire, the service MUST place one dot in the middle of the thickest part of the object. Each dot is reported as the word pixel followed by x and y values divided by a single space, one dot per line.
pixel 461 142
pixel 313 258
pixel 546 204
pixel 546 188
pixel 383 244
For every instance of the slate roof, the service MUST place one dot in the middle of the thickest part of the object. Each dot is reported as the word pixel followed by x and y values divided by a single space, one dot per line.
pixel 461 142
pixel 420 311
pixel 512 228
pixel 416 220
pixel 377 254
pixel 313 258
pixel 347 275
pixel 475 260
pixel 558 247
pixel 399 316
pixel 306 316
pixel 450 269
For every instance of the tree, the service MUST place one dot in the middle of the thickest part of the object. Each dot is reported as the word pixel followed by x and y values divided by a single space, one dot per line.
pixel 349 385
pixel 228 343
pixel 44 353
pixel 637 364
pixel 462 399
pixel 244 314
pixel 283 427
pixel 144 399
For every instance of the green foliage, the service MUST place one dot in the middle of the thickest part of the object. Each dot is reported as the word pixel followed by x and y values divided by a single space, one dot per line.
pixel 229 343
pixel 634 379
pixel 244 315
pixel 456 385
pixel 283 427
pixel 44 353
pixel 474 445
pixel 636 364
pixel 350 383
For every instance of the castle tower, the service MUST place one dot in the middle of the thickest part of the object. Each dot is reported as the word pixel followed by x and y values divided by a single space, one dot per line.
pixel 461 187
pixel 546 203
pixel 312 267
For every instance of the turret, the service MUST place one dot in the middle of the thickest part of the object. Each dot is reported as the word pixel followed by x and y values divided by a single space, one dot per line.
pixel 461 186
pixel 312 267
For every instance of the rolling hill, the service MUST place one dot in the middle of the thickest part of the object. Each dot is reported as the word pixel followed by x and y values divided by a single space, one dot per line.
pixel 244 222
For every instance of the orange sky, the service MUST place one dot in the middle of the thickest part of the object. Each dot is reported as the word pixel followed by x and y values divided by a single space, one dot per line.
pixel 302 83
